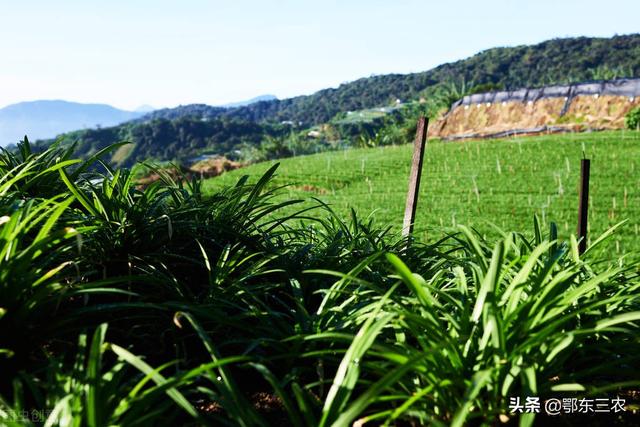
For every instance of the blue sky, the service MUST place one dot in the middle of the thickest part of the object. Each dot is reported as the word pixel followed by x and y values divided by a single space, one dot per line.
pixel 164 53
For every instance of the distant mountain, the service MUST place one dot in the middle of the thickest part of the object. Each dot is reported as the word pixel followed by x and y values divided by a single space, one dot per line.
pixel 251 101
pixel 202 111
pixel 46 119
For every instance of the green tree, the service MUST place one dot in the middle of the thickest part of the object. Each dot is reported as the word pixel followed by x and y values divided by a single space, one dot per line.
pixel 632 119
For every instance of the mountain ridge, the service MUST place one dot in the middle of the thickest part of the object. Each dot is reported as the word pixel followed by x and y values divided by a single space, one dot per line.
pixel 559 60
pixel 179 133
pixel 49 117
pixel 46 118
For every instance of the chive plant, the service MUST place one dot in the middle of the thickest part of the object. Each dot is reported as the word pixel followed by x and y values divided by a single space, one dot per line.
pixel 130 305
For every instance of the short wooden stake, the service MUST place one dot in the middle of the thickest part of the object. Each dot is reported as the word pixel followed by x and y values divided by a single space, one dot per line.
pixel 583 207
pixel 414 178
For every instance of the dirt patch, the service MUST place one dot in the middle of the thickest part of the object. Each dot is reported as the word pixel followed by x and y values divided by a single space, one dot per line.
pixel 605 111
pixel 214 167
pixel 204 169
pixel 582 112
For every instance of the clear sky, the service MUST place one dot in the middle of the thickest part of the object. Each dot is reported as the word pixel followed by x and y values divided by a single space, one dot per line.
pixel 164 53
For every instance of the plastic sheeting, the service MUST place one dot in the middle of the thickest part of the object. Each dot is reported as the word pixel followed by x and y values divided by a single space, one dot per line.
pixel 620 87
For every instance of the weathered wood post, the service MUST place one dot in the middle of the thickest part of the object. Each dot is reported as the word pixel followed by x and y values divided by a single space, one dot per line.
pixel 583 206
pixel 414 178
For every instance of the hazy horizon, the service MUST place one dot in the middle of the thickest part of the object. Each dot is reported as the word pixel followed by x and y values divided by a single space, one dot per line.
pixel 164 54
pixel 142 107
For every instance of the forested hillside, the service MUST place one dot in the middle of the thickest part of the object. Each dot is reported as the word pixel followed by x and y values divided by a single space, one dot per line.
pixel 554 61
pixel 164 139
pixel 178 133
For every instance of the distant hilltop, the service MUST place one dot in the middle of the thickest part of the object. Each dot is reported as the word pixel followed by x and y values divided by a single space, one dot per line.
pixel 48 118
pixel 45 119
pixel 595 105
pixel 251 101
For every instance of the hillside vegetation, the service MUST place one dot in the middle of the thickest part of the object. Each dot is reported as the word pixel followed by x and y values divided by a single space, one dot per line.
pixel 180 139
pixel 172 134
pixel 551 62
pixel 166 306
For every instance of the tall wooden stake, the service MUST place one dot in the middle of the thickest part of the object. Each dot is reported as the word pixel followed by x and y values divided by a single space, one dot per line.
pixel 583 207
pixel 414 178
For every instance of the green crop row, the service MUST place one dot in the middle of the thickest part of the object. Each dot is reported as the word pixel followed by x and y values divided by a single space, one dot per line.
pixel 479 183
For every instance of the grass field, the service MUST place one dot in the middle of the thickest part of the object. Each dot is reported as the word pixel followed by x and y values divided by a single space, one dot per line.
pixel 477 183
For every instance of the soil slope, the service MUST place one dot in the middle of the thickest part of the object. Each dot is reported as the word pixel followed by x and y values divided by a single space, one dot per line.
pixel 579 107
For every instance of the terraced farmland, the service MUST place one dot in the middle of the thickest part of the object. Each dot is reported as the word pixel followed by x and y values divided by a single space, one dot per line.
pixel 478 183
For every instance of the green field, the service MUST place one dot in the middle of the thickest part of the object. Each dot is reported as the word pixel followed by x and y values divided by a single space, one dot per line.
pixel 477 183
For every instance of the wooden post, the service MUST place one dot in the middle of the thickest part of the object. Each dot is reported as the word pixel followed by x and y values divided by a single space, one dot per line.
pixel 414 178
pixel 583 207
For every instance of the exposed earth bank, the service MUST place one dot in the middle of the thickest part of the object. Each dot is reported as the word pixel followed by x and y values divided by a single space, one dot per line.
pixel 577 107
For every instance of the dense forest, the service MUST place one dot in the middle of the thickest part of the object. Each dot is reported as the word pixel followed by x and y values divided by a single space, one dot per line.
pixel 196 110
pixel 179 139
pixel 554 61
pixel 280 127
